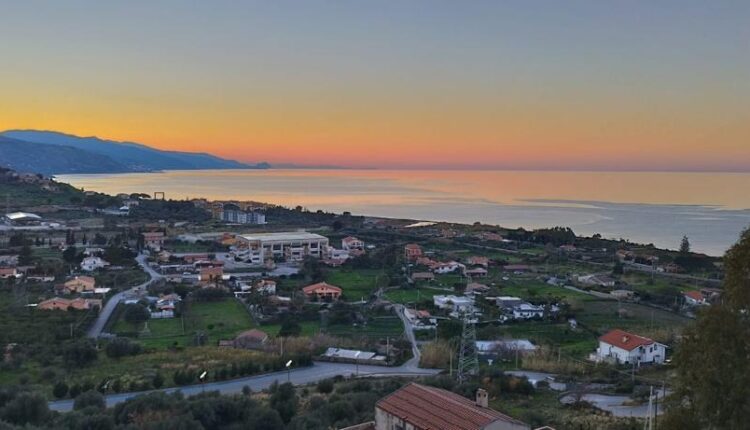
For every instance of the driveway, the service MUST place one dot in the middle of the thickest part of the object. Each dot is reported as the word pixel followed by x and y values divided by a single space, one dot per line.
pixel 101 320
pixel 300 376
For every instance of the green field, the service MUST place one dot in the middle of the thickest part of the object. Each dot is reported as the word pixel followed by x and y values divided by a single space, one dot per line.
pixel 414 295
pixel 532 288
pixel 602 315
pixel 357 283
pixel 376 328
pixel 573 342
pixel 218 320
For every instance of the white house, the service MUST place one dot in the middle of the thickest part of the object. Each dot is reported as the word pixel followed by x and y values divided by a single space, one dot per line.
pixel 597 280
pixel 337 254
pixel 694 298
pixel 351 243
pixel 626 348
pixel 449 267
pixel 527 311
pixel 266 286
pixel 455 303
pixel 89 264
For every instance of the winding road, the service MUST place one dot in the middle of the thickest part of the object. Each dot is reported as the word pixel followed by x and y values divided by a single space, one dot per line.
pixel 97 327
pixel 299 376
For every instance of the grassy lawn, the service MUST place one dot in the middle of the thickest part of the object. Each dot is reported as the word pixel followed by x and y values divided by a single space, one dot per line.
pixel 413 295
pixel 356 283
pixel 573 342
pixel 47 254
pixel 601 316
pixel 535 289
pixel 219 320
pixel 377 328
pixel 449 280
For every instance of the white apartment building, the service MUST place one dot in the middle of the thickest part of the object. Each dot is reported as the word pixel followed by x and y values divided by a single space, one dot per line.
pixel 288 246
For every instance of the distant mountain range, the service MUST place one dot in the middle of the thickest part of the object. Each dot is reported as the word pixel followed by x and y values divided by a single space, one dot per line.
pixel 50 152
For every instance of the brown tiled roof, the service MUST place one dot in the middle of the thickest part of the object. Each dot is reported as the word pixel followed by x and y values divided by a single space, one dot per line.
pixel 625 340
pixel 310 289
pixel 695 295
pixel 430 408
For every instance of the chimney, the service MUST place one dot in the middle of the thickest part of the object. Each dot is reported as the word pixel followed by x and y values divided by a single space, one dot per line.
pixel 482 400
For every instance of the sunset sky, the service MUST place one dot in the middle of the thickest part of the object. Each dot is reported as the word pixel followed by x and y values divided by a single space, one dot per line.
pixel 650 85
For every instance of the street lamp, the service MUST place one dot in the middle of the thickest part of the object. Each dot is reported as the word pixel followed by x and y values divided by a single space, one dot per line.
pixel 356 363
pixel 289 371
pixel 202 378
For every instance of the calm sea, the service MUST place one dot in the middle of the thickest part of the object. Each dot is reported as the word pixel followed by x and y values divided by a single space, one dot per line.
pixel 710 208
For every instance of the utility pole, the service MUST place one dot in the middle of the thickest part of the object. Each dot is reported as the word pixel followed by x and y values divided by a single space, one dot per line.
pixel 468 361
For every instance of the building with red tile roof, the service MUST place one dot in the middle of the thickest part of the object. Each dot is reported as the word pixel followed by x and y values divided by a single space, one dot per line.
pixel 322 291
pixel 694 298
pixel 412 251
pixel 58 303
pixel 421 407
pixel 153 240
pixel 622 347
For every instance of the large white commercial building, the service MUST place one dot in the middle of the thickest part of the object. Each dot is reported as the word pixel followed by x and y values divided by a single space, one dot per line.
pixel 288 246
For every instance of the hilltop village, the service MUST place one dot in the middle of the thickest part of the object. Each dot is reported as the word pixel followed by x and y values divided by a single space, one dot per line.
pixel 108 295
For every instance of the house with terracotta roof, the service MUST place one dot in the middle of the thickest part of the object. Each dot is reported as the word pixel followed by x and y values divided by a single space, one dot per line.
pixel 412 251
pixel 622 347
pixel 80 284
pixel 694 298
pixel 422 276
pixel 58 303
pixel 517 268
pixel 211 275
pixel 153 240
pixel 478 260
pixel 322 291
pixel 476 288
pixel 420 407
pixel 9 272
pixel 476 272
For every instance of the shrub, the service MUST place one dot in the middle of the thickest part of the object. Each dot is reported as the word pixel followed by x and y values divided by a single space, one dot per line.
pixel 89 399
pixel 325 386
pixel 60 390
pixel 121 347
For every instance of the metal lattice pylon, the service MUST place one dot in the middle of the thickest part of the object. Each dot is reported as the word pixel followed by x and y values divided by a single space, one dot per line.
pixel 468 361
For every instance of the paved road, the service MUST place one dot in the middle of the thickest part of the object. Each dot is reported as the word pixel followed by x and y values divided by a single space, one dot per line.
pixel 98 326
pixel 413 363
pixel 305 375
pixel 618 405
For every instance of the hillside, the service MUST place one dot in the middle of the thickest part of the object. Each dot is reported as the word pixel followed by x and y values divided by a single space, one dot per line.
pixel 54 159
pixel 118 156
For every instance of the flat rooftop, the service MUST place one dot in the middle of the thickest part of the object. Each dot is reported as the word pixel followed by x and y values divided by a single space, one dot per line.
pixel 283 236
